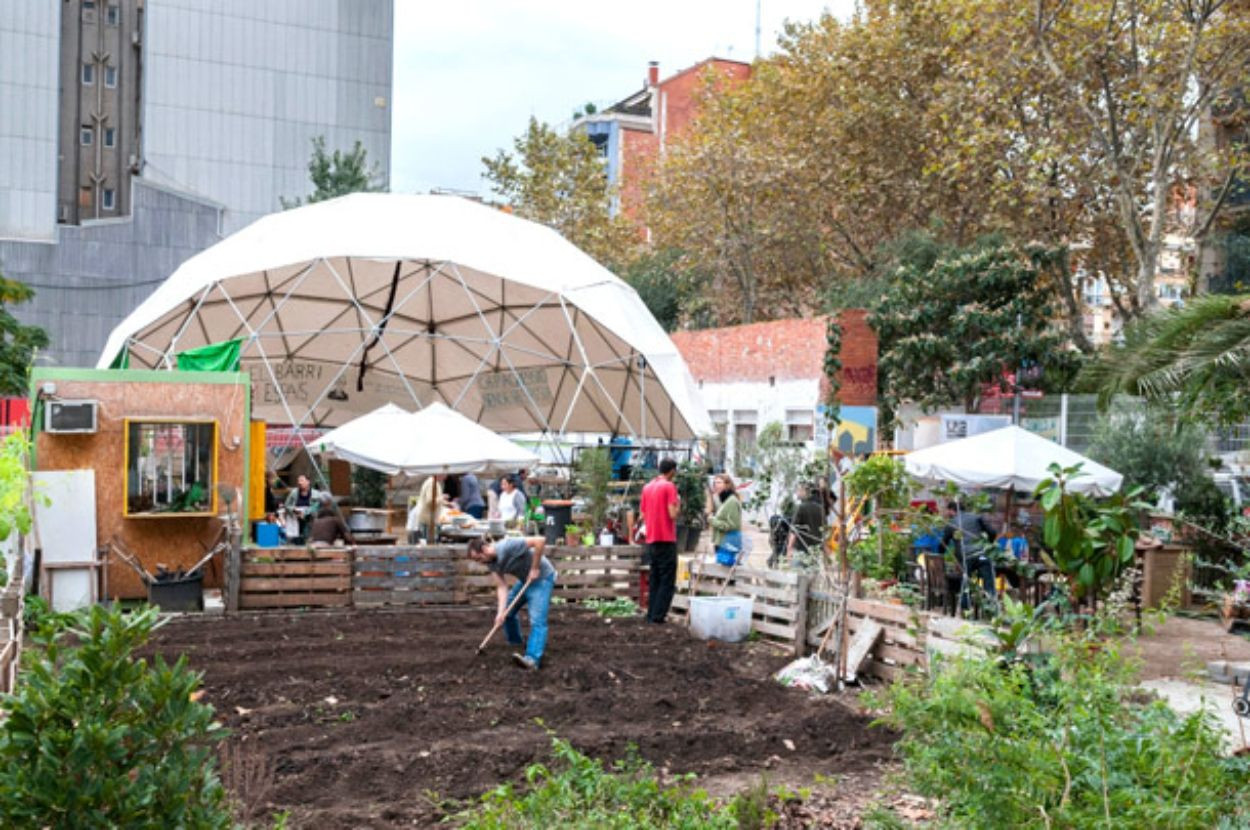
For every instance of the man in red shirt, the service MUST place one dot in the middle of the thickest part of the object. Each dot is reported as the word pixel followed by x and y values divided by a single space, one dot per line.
pixel 658 506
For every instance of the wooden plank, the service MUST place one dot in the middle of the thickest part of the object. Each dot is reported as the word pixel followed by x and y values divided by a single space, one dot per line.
pixel 295 568
pixel 403 598
pixel 785 633
pixel 710 569
pixel 398 566
pixel 294 600
pixel 408 583
pixel 884 671
pixel 787 595
pixel 862 645
pixel 293 583
pixel 296 555
pixel 880 610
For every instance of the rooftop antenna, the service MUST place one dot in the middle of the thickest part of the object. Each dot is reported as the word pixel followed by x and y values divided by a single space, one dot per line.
pixel 757 28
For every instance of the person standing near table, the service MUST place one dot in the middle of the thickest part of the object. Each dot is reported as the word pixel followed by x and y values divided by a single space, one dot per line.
pixel 470 500
pixel 807 525
pixel 659 504
pixel 521 558
pixel 423 518
pixel 511 501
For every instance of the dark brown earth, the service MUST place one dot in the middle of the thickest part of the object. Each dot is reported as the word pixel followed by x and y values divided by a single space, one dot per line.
pixel 377 719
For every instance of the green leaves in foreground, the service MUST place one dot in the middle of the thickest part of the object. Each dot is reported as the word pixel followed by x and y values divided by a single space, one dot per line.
pixel 1065 742
pixel 96 737
pixel 577 792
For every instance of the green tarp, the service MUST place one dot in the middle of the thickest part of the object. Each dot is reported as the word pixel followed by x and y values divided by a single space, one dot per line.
pixel 215 357
pixel 122 361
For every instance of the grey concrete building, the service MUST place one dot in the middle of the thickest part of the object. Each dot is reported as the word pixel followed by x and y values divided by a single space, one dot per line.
pixel 135 133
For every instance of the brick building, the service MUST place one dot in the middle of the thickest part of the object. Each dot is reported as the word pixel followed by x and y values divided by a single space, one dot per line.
pixel 633 132
pixel 752 375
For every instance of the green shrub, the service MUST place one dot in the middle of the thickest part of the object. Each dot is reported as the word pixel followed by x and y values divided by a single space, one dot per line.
pixel 95 737
pixel 577 791
pixel 1015 744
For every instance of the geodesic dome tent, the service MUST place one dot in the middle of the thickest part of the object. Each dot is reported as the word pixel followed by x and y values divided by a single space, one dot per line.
pixel 348 304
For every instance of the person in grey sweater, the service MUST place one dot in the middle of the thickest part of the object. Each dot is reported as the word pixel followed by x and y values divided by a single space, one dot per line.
pixel 968 537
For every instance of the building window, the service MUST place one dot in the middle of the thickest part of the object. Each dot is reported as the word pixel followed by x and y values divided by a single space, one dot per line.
pixel 108 201
pixel 171 468
pixel 110 136
pixel 88 74
pixel 88 5
pixel 84 197
pixel 86 135
pixel 799 424
pixel 112 14
pixel 110 76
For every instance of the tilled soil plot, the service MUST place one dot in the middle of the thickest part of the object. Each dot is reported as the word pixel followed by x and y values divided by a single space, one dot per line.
pixel 371 719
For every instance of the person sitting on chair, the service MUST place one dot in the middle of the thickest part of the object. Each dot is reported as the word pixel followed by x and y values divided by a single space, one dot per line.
pixel 328 527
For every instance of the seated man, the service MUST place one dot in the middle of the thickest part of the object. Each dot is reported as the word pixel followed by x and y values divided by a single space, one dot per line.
pixel 328 527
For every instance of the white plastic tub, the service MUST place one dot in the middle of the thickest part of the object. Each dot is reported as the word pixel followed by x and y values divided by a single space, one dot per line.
pixel 721 618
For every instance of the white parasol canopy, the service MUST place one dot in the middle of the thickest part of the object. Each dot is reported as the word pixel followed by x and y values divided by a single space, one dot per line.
pixel 1009 458
pixel 372 298
pixel 435 440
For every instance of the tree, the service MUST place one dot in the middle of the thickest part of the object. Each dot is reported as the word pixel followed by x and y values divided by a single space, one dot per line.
pixel 1153 451
pixel 957 321
pixel 559 180
pixel 1194 357
pixel 18 342
pixel 337 174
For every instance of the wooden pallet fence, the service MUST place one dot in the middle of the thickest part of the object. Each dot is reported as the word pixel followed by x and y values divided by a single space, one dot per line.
pixel 581 573
pixel 902 644
pixel 779 610
pixel 389 575
pixel 293 577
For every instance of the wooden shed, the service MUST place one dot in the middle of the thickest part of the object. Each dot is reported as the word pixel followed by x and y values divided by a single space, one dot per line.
pixel 160 450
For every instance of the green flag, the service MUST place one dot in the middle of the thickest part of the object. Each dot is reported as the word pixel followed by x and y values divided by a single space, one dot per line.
pixel 215 357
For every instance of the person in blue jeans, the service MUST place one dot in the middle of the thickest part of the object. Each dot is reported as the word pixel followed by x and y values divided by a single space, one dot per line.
pixel 522 558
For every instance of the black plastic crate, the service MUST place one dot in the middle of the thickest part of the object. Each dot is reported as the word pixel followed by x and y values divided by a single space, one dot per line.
pixel 186 594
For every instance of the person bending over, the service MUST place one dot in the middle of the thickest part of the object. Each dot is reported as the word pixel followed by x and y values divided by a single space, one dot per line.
pixel 521 558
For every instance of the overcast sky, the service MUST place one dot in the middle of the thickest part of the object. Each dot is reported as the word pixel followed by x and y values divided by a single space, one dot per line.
pixel 470 73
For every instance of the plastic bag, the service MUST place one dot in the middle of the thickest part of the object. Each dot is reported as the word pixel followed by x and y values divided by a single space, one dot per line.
pixel 809 673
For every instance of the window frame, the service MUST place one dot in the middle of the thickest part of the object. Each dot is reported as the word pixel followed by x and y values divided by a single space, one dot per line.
pixel 108 199
pixel 214 468
pixel 110 76
pixel 86 135
pixel 87 74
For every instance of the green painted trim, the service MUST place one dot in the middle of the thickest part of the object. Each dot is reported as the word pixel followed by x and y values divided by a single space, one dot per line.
pixel 44 373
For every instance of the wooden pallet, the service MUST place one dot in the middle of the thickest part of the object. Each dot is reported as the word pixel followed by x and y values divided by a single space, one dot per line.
pixel 293 577
pixel 581 573
pixel 388 575
pixel 779 610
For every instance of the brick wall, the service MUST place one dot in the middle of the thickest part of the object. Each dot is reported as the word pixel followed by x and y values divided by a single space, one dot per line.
pixel 784 350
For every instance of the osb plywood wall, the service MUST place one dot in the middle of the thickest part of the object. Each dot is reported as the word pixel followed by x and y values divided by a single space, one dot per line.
pixel 173 541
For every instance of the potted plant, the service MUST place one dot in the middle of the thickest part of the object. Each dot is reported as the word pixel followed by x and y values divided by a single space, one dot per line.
pixel 592 476
pixel 572 535
pixel 692 488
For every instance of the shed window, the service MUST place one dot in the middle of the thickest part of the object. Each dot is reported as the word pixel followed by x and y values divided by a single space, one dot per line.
pixel 171 468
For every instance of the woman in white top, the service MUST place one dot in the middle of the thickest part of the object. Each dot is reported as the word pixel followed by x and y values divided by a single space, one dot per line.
pixel 511 502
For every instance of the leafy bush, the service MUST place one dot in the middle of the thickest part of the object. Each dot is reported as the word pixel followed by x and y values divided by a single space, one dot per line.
pixel 577 791
pixel 95 737
pixel 1012 744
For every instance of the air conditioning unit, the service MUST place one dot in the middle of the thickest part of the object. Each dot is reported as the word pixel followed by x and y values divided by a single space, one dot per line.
pixel 70 416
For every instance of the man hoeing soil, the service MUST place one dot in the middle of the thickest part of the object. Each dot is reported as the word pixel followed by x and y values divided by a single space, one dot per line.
pixel 523 559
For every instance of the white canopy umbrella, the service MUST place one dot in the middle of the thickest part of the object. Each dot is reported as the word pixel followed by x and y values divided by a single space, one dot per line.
pixel 435 440
pixel 372 298
pixel 1010 458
